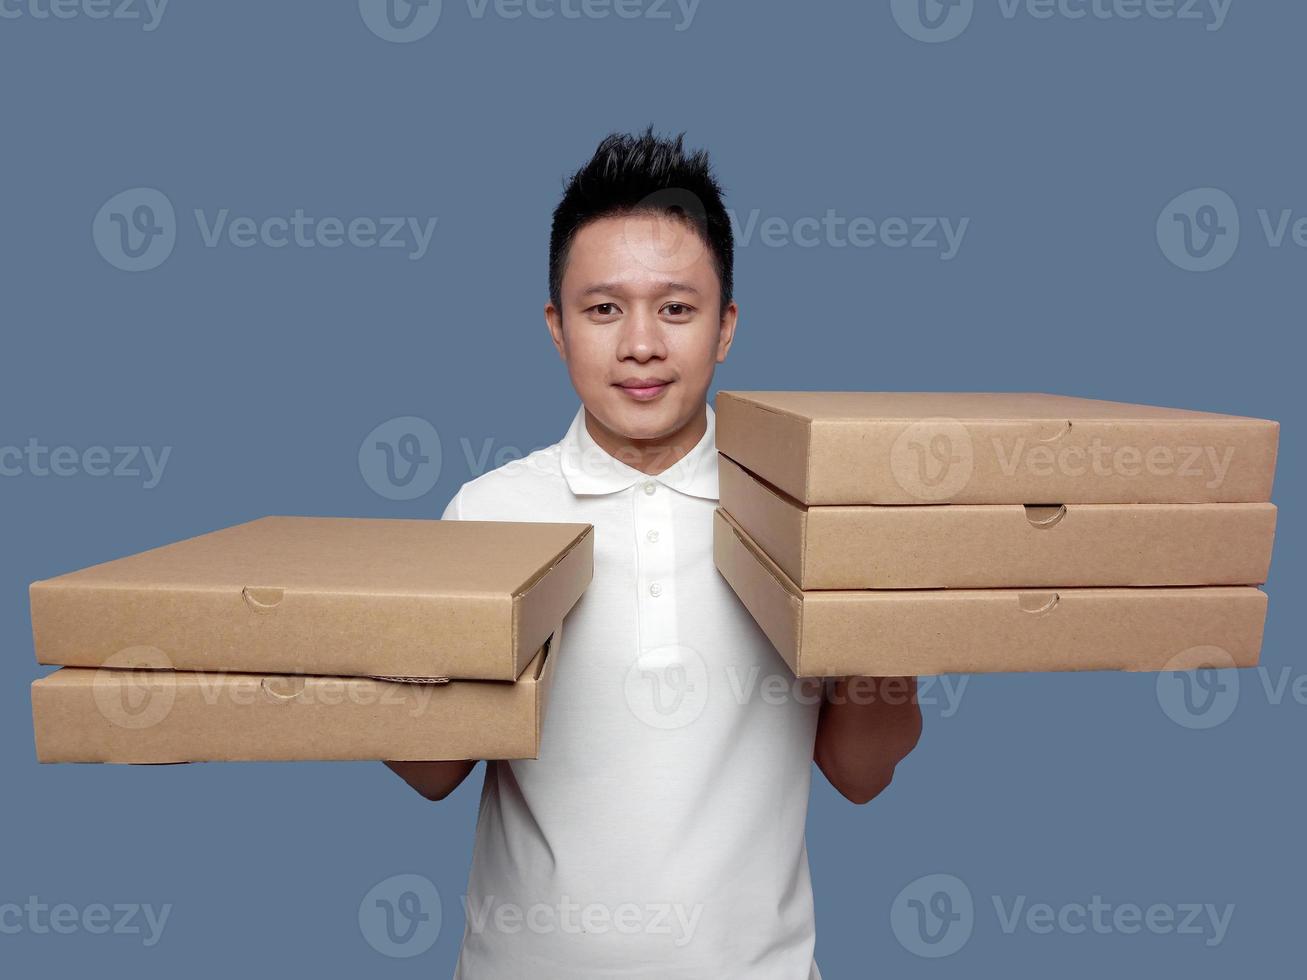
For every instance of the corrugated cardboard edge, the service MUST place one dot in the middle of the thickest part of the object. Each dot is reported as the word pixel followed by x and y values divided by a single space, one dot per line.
pixel 548 596
pixel 536 683
pixel 773 520
pixel 407 679
pixel 545 682
pixel 791 618
pixel 925 631
pixel 764 439
pixel 791 535
pixel 1186 539
pixel 774 603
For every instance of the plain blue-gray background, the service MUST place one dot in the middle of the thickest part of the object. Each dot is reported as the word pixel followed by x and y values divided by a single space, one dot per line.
pixel 1060 139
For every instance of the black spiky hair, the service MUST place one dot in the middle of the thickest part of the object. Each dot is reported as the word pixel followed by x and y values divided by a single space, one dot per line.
pixel 632 173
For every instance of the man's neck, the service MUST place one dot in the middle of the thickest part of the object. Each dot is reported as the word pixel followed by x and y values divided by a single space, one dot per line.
pixel 651 456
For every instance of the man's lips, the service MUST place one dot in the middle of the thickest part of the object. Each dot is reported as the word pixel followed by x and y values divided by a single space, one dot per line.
pixel 643 389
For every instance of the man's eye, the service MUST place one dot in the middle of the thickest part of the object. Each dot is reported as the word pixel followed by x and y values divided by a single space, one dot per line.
pixel 677 309
pixel 604 309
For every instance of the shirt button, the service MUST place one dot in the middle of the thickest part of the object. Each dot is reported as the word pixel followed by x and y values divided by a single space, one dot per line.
pixel 650 487
pixel 655 590
pixel 652 536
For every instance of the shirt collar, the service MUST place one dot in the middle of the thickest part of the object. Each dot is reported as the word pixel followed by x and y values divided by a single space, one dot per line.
pixel 589 469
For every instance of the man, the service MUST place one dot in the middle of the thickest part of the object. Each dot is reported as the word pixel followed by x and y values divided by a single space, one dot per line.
pixel 661 832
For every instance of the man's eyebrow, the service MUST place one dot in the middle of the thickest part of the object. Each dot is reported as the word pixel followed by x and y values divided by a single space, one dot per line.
pixel 661 287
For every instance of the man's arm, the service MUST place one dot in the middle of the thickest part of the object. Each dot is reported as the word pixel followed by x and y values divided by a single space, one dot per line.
pixel 434 780
pixel 866 726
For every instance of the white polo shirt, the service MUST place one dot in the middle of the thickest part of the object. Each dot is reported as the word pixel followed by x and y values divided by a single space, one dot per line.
pixel 660 835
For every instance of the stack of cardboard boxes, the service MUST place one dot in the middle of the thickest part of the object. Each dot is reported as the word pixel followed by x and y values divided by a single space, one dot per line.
pixel 891 534
pixel 310 638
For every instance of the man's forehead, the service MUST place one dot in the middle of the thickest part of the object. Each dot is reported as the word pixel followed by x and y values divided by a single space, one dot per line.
pixel 640 251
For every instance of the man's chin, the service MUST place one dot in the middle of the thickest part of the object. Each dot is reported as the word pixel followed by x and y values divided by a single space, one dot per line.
pixel 641 422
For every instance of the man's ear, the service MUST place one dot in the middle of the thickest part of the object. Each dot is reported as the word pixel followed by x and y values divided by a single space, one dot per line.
pixel 726 333
pixel 554 320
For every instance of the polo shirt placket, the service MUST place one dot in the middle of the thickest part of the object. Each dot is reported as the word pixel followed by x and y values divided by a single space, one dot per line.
pixel 655 548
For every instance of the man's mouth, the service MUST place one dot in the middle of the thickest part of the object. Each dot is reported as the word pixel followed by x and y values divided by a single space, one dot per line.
pixel 643 389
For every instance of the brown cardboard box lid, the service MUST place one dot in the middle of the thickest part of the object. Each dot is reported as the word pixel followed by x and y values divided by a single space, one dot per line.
pixel 334 596
pixel 978 546
pixel 863 447
pixel 84 714
pixel 914 632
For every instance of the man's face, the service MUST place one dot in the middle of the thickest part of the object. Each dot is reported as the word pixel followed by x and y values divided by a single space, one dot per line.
pixel 641 327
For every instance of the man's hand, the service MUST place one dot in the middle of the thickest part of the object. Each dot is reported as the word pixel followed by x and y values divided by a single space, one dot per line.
pixel 434 780
pixel 867 725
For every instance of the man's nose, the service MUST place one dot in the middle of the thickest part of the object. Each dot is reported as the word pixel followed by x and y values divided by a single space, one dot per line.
pixel 642 337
